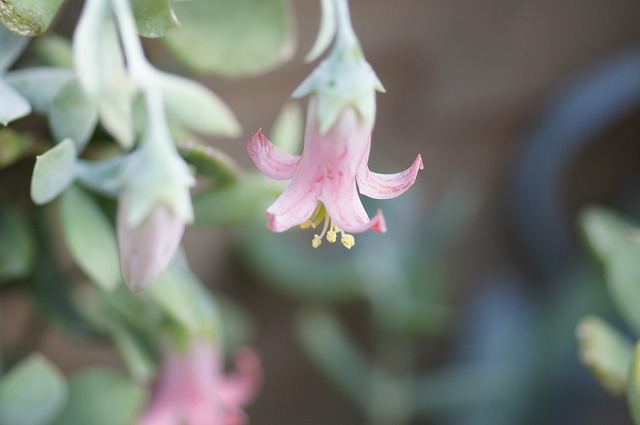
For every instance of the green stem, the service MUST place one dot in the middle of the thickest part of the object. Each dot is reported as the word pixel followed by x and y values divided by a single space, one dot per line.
pixel 145 75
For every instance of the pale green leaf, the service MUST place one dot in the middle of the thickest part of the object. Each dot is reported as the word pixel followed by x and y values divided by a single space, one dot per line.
pixel 179 292
pixel 14 146
pixel 99 63
pixel 196 107
pixel 288 128
pixel 55 50
pixel 139 362
pixel 235 203
pixel 54 172
pixel 32 393
pixel 102 397
pixel 233 38
pixel 154 17
pixel 605 230
pixel 17 251
pixel 331 350
pixel 12 105
pixel 209 161
pixel 606 352
pixel 11 46
pixel 29 18
pixel 72 115
pixel 90 237
pixel 623 280
pixel 39 85
pixel 633 390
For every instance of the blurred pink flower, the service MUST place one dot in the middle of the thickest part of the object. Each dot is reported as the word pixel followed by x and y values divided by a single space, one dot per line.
pixel 324 177
pixel 194 390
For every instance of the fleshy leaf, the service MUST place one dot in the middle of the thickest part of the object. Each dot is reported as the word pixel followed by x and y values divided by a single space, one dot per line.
pixel 100 66
pixel 14 146
pixel 72 115
pixel 55 50
pixel 209 161
pixel 234 203
pixel 331 350
pixel 29 18
pixel 17 252
pixel 233 38
pixel 605 230
pixel 12 105
pixel 32 393
pixel 196 107
pixel 102 397
pixel 633 390
pixel 288 128
pixel 54 172
pixel 605 352
pixel 39 85
pixel 623 275
pixel 154 17
pixel 11 46
pixel 90 237
pixel 179 292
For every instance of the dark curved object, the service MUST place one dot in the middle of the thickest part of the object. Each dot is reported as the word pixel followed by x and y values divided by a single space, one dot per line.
pixel 575 117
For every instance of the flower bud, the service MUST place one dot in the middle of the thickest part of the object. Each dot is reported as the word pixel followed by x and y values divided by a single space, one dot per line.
pixel 147 247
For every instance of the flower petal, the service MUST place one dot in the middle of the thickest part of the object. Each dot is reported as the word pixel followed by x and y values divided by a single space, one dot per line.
pixel 147 249
pixel 270 159
pixel 297 202
pixel 386 186
pixel 241 387
pixel 343 205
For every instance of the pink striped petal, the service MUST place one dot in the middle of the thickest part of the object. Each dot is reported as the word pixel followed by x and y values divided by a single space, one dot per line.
pixel 345 209
pixel 297 202
pixel 386 186
pixel 270 159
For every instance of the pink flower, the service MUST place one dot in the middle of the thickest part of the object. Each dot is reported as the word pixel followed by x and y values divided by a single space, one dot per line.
pixel 147 249
pixel 324 178
pixel 193 390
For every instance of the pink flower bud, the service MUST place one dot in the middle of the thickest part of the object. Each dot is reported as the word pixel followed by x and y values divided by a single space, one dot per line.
pixel 147 248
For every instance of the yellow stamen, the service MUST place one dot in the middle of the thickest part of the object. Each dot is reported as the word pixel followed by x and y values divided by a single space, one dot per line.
pixel 329 228
pixel 348 240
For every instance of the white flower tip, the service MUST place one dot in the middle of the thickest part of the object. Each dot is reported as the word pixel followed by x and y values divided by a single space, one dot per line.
pixel 419 162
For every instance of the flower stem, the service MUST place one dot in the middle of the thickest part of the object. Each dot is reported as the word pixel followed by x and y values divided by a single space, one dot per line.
pixel 143 74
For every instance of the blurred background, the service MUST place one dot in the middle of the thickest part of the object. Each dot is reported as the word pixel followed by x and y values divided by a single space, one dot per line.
pixel 524 112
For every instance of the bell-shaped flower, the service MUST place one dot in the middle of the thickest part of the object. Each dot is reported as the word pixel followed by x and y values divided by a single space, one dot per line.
pixel 193 388
pixel 153 208
pixel 326 178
